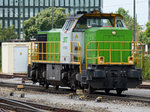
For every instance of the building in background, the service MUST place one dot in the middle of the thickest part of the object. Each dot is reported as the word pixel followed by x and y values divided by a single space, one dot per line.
pixel 14 12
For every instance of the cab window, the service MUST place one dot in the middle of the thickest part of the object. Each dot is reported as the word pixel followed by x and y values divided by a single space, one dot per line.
pixel 119 23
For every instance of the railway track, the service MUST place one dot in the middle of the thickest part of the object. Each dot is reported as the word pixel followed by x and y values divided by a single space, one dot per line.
pixel 21 106
pixel 144 86
pixel 37 88
pixel 105 97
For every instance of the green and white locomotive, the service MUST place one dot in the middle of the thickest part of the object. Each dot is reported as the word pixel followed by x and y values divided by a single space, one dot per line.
pixel 93 51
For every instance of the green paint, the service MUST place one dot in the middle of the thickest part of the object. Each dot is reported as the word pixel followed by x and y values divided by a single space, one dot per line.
pixel 53 36
pixel 65 39
pixel 105 34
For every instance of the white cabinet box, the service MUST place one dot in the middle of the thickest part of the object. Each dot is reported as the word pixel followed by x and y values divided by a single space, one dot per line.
pixel 15 57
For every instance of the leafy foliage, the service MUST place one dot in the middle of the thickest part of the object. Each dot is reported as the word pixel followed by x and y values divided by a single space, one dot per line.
pixel 43 22
pixel 146 67
pixel 7 34
pixel 145 36
pixel 129 21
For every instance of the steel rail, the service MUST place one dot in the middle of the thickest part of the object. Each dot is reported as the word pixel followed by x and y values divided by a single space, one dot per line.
pixel 110 96
pixel 18 106
pixel 30 107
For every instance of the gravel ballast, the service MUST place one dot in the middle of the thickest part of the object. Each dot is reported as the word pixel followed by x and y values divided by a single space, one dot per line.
pixel 63 100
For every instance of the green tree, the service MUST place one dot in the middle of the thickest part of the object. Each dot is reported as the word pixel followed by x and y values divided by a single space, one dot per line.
pixel 43 22
pixel 145 36
pixel 129 21
pixel 7 34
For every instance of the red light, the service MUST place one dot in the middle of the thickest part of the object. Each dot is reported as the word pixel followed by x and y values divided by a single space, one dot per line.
pixel 101 58
pixel 131 58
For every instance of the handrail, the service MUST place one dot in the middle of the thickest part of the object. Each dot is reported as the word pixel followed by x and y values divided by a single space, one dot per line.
pixel 40 50
pixel 135 49
pixel 75 52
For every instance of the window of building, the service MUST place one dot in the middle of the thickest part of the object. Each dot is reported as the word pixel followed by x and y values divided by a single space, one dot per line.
pixel 91 3
pixel 41 2
pixel 41 9
pixel 1 2
pixel 72 11
pixel 76 3
pixel 16 23
pixel 46 2
pixel 31 2
pixel 16 12
pixel 21 25
pixel 11 22
pixel 11 12
pixel 26 2
pixel 66 10
pixel 66 2
pixel 61 2
pixel 11 2
pixel 91 9
pixel 56 2
pixel 81 9
pixel 21 12
pixel 31 12
pixel 16 2
pixel 36 11
pixel 6 23
pixel 96 2
pixel 21 2
pixel 86 3
pixel 36 2
pixel 1 12
pixel 81 3
pixel 6 2
pixel 86 9
pixel 50 1
pixel 71 2
pixel 6 12
pixel 26 12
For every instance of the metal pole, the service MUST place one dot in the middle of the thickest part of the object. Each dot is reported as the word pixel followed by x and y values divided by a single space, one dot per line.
pixel 134 30
pixel 52 13
pixel 23 17
pixel 19 2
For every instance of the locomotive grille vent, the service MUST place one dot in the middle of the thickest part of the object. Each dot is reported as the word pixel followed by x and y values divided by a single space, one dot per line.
pixel 42 37
pixel 42 48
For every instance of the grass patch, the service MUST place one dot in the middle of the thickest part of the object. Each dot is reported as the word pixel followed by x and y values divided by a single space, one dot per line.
pixel 146 67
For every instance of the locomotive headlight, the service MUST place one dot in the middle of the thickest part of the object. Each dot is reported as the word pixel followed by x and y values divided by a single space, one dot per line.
pixel 114 32
pixel 100 60
pixel 131 60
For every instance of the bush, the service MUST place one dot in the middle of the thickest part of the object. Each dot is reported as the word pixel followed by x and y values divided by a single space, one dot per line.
pixel 146 67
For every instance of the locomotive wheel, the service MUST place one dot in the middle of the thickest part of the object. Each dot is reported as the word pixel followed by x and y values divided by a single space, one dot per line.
pixel 90 90
pixel 119 91
pixel 46 85
pixel 107 91
pixel 56 87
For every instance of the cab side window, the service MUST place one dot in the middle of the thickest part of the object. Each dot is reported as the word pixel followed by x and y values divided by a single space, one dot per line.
pixel 119 23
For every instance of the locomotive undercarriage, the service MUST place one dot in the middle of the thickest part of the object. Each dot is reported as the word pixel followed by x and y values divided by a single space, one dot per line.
pixel 96 77
pixel 55 74
pixel 111 77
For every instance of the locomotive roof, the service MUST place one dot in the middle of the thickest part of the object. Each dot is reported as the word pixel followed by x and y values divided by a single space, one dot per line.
pixel 94 15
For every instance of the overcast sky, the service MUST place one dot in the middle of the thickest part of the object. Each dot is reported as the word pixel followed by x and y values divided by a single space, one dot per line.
pixel 141 8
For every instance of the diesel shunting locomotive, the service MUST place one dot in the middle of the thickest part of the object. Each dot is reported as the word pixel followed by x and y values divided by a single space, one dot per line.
pixel 93 51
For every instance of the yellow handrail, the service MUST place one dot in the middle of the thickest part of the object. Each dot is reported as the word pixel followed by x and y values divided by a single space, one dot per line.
pixel 37 55
pixel 134 49
pixel 77 52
